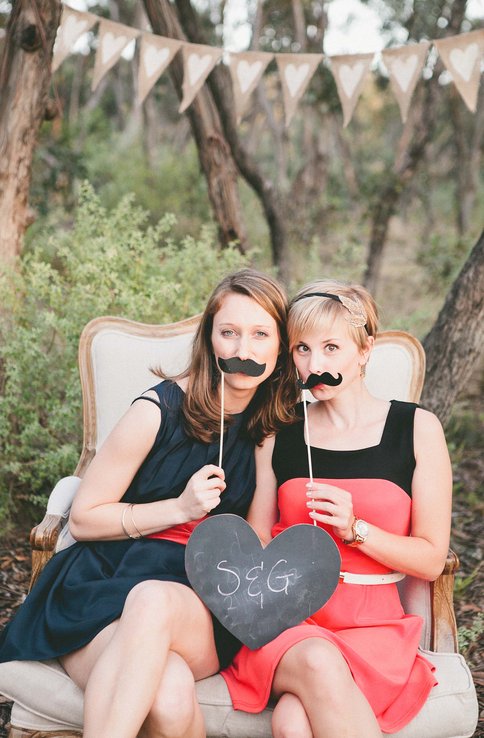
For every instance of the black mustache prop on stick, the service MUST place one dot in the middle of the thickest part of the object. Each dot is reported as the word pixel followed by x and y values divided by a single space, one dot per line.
pixel 241 366
pixel 325 378
pixel 234 366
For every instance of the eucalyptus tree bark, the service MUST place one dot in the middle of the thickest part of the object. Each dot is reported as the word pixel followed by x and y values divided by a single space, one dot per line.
pixel 268 193
pixel 25 72
pixel 467 145
pixel 455 342
pixel 214 152
pixel 395 181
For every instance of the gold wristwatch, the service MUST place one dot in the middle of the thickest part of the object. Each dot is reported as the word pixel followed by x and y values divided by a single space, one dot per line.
pixel 360 532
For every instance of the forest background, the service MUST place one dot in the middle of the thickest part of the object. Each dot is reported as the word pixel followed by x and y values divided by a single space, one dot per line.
pixel 138 210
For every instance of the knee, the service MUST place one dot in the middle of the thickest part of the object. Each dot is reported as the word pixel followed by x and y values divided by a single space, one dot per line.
pixel 149 600
pixel 321 667
pixel 173 710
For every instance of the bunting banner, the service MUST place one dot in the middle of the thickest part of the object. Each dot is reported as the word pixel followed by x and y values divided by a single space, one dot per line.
pixel 295 72
pixel 155 54
pixel 246 68
pixel 73 24
pixel 198 62
pixel 349 71
pixel 113 39
pixel 462 57
pixel 404 65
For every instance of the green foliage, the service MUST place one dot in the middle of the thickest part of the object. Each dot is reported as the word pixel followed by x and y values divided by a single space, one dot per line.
pixel 442 257
pixel 112 262
pixel 468 635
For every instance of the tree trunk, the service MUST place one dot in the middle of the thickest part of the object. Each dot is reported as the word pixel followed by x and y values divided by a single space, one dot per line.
pixel 456 340
pixel 467 157
pixel 269 195
pixel 213 150
pixel 395 182
pixel 25 74
pixel 408 160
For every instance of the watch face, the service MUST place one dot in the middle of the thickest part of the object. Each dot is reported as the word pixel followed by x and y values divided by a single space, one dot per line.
pixel 361 528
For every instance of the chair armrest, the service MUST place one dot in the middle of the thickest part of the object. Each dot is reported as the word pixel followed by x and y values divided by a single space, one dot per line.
pixel 444 626
pixel 43 537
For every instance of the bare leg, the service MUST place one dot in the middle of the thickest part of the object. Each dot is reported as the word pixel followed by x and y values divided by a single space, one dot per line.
pixel 175 712
pixel 316 672
pixel 289 719
pixel 122 669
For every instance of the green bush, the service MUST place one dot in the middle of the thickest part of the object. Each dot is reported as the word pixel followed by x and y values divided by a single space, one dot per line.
pixel 111 263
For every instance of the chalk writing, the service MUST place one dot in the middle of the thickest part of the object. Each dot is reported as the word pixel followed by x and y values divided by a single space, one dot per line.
pixel 278 580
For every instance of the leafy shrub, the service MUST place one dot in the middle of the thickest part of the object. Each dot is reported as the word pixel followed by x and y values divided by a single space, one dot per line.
pixel 110 263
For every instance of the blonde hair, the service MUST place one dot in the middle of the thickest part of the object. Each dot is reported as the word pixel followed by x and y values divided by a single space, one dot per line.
pixel 308 312
pixel 274 401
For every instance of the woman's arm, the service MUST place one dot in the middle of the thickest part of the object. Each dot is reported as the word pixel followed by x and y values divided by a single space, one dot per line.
pixel 423 553
pixel 263 510
pixel 97 512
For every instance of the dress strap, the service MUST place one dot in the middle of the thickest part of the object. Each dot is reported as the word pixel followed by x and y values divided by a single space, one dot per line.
pixel 150 399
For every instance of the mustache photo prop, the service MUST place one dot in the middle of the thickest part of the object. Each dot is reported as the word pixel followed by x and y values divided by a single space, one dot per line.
pixel 234 365
pixel 257 592
pixel 241 366
pixel 325 378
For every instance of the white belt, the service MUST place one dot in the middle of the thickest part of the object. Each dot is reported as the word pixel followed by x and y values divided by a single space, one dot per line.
pixel 349 578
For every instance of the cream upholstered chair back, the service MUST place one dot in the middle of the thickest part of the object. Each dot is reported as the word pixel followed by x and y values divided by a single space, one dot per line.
pixel 115 361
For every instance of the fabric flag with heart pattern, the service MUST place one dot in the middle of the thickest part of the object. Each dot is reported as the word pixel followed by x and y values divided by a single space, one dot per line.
pixel 404 65
pixel 246 69
pixel 198 62
pixel 462 56
pixel 73 24
pixel 295 72
pixel 155 54
pixel 112 41
pixel 349 72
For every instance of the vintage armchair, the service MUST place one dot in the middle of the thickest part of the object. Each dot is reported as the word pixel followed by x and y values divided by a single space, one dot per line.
pixel 115 357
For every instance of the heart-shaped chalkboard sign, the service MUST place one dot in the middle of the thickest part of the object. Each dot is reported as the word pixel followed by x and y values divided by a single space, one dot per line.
pixel 257 592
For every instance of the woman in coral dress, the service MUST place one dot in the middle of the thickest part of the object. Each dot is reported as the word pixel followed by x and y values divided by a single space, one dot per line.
pixel 376 476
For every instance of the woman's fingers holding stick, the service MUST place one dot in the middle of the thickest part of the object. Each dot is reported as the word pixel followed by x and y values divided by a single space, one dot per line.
pixel 331 505
pixel 202 492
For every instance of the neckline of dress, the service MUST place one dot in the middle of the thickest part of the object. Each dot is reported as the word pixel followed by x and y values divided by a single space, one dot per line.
pixel 356 450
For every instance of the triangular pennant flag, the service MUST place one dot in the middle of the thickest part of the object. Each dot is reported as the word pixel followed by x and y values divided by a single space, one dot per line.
pixel 295 72
pixel 112 41
pixel 404 65
pixel 155 55
pixel 198 62
pixel 462 57
pixel 73 24
pixel 349 71
pixel 246 69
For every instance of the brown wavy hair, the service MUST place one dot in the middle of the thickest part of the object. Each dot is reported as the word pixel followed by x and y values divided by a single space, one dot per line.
pixel 273 403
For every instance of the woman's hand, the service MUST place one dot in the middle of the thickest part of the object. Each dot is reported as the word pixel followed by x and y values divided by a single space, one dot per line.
pixel 202 492
pixel 332 506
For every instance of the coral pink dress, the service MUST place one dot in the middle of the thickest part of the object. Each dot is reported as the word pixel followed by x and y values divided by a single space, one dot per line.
pixel 366 622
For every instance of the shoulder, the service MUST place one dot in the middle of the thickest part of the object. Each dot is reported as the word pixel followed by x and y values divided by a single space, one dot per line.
pixel 427 422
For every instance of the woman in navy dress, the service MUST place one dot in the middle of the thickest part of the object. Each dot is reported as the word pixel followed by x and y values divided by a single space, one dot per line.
pixel 116 607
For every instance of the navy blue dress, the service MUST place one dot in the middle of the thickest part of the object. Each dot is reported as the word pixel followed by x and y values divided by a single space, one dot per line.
pixel 83 588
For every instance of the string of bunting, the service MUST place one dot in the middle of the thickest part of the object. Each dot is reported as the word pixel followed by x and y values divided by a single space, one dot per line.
pixel 461 55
